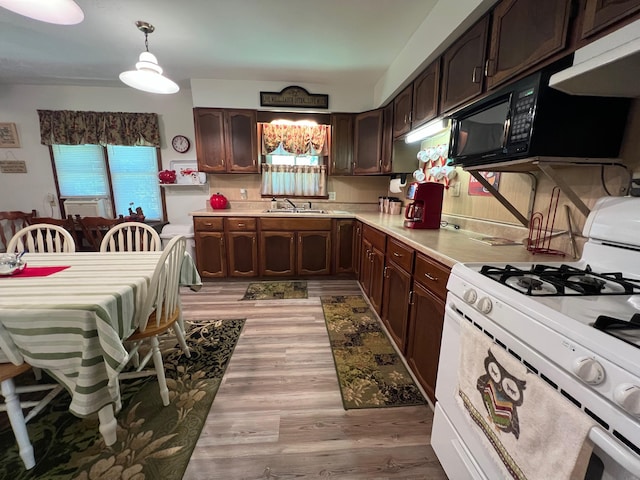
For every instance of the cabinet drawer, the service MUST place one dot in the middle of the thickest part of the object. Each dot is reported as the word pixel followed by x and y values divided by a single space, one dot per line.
pixel 432 275
pixel 207 224
pixel 295 224
pixel 400 254
pixel 239 224
pixel 375 237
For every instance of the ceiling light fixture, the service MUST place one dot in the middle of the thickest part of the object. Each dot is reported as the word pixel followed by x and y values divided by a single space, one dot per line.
pixel 148 74
pixel 61 12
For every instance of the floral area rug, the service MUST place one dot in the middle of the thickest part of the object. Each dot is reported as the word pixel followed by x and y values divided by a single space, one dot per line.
pixel 276 290
pixel 153 442
pixel 370 372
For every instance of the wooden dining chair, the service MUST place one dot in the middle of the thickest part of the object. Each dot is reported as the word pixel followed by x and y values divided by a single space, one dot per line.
pixel 10 223
pixel 14 406
pixel 42 238
pixel 161 312
pixel 95 228
pixel 131 237
pixel 67 223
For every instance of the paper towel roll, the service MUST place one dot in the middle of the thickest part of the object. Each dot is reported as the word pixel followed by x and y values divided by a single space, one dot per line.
pixel 395 185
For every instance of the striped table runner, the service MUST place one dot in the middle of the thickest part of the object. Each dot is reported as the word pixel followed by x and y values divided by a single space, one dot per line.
pixel 72 323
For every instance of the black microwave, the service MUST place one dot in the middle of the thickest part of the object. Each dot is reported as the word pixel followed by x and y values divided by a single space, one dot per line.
pixel 530 119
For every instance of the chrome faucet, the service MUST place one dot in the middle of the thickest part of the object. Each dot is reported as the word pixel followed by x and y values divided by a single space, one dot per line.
pixel 290 203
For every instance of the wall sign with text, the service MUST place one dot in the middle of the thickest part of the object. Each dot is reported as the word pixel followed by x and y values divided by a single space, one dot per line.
pixel 294 96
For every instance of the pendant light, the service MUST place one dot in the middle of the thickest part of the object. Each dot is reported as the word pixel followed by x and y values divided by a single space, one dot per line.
pixel 61 12
pixel 148 74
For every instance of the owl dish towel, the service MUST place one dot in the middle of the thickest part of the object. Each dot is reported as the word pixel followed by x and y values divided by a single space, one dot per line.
pixel 530 429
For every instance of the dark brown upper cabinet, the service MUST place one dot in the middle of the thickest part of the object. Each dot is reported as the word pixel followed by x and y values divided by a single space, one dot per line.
pixel 463 66
pixel 368 142
pixel 341 162
pixel 418 103
pixel 600 14
pixel 523 33
pixel 402 106
pixel 387 139
pixel 226 140
pixel 426 88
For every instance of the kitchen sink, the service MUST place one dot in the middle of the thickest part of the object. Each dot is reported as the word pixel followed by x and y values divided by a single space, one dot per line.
pixel 296 210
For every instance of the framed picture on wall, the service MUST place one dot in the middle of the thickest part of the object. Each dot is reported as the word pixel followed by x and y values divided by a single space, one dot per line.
pixel 9 136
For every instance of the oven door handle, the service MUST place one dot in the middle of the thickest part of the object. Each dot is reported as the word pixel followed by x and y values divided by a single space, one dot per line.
pixel 618 453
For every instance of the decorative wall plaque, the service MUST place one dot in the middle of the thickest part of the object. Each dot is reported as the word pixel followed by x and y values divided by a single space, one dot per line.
pixel 9 136
pixel 13 166
pixel 294 96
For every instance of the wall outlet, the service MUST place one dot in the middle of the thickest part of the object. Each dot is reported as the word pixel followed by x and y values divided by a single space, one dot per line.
pixel 243 194
pixel 51 199
pixel 454 189
pixel 332 196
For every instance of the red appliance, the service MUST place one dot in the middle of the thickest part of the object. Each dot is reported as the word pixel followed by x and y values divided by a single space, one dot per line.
pixel 426 208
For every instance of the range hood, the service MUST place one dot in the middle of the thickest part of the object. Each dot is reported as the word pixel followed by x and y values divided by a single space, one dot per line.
pixel 608 67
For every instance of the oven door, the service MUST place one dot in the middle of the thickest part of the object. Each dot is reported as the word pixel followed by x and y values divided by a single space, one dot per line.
pixel 455 439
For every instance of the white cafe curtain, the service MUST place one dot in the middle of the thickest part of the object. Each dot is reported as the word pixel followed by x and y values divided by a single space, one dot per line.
pixel 294 180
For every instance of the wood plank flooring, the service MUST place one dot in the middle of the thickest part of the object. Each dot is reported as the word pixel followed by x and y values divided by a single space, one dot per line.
pixel 278 413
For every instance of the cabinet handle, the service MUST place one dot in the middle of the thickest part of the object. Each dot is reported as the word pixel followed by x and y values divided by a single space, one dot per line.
pixel 411 297
pixel 431 277
pixel 396 254
pixel 486 68
pixel 474 75
pixel 410 116
pixel 241 225
pixel 384 272
pixel 406 118
pixel 208 224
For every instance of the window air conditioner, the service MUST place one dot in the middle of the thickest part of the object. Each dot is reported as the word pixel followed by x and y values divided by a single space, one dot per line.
pixel 95 207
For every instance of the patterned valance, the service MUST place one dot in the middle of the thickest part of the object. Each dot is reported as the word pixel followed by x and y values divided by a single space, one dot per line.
pixel 66 127
pixel 294 139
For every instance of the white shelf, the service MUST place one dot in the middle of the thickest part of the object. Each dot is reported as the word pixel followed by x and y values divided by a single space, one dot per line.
pixel 183 185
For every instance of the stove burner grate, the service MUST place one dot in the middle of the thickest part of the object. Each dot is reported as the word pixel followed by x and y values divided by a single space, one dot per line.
pixel 625 330
pixel 548 280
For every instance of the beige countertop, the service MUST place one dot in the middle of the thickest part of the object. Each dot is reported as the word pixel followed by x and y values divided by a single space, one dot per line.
pixel 447 245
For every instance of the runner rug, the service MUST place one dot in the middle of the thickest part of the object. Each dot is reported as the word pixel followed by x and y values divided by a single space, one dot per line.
pixel 276 290
pixel 153 441
pixel 370 372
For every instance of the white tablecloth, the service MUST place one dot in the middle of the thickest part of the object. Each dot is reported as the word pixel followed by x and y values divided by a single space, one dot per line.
pixel 72 323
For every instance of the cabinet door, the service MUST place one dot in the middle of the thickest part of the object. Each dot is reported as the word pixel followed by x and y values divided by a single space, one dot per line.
pixel 343 246
pixel 377 271
pixel 242 254
pixel 463 66
pixel 314 253
pixel 210 254
pixel 357 247
pixel 366 267
pixel 387 139
pixel 599 14
pixel 341 162
pixel 277 254
pixel 395 300
pixel 425 332
pixel 523 33
pixel 210 146
pixel 402 105
pixel 241 141
pixel 426 89
pixel 368 142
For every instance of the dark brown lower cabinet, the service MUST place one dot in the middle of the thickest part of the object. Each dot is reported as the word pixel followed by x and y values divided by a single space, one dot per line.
pixel 314 253
pixel 425 332
pixel 344 246
pixel 210 254
pixel 242 254
pixel 395 314
pixel 277 254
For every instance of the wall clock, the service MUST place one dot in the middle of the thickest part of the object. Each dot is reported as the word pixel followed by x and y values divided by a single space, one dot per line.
pixel 180 143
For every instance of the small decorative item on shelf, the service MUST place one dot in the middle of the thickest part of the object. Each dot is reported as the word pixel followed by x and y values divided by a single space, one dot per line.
pixel 138 216
pixel 167 176
pixel 218 201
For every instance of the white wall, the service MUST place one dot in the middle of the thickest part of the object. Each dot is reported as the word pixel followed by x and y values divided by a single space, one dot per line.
pixel 19 104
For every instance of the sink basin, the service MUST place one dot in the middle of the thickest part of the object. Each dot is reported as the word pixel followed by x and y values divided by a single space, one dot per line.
pixel 296 210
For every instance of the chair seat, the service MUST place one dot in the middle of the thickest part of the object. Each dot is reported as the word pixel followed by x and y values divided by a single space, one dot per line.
pixel 9 370
pixel 153 328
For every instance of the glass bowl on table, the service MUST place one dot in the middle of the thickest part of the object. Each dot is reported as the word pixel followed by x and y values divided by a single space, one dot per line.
pixel 11 263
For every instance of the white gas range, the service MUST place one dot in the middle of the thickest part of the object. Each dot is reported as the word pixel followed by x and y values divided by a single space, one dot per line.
pixel 576 325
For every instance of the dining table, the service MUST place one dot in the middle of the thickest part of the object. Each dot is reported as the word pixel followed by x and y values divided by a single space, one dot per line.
pixel 70 314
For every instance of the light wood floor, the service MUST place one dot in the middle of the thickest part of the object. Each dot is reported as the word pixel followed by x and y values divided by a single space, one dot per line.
pixel 278 413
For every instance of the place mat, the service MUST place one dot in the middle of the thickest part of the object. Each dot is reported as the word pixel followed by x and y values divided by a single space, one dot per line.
pixel 38 271
pixel 276 290
pixel 370 372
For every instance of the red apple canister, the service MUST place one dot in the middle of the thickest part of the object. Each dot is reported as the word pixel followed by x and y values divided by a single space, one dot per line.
pixel 218 201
